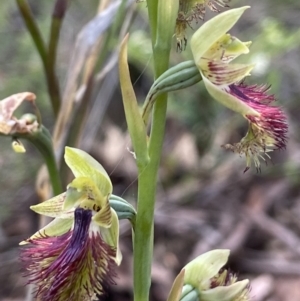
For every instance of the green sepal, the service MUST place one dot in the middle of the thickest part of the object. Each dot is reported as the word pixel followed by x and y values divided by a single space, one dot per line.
pixel 53 207
pixel 84 165
pixel 199 271
pixel 56 227
pixel 213 30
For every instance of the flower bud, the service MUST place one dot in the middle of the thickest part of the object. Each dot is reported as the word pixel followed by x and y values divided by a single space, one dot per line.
pixel 206 280
pixel 181 76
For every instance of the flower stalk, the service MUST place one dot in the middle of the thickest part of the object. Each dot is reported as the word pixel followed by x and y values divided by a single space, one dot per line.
pixel 162 17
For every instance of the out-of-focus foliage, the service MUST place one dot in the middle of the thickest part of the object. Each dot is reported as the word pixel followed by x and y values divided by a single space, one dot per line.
pixel 271 25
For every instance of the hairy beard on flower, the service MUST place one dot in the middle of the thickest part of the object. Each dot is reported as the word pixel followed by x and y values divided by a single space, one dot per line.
pixel 213 50
pixel 267 132
pixel 74 266
pixel 193 11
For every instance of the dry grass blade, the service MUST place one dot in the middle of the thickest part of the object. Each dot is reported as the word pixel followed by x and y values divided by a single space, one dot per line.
pixel 86 40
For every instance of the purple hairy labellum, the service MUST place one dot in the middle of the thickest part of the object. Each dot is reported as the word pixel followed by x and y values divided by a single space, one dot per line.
pixel 74 266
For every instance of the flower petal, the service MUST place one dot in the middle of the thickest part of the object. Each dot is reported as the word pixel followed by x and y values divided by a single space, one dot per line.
pixel 103 216
pixel 111 236
pixel 83 192
pixel 53 207
pixel 55 228
pixel 228 100
pixel 199 271
pixel 225 293
pixel 213 30
pixel 222 74
pixel 82 164
pixel 227 48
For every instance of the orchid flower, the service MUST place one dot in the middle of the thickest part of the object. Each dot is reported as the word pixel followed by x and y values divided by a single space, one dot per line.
pixel 206 274
pixel 206 279
pixel 213 49
pixel 74 257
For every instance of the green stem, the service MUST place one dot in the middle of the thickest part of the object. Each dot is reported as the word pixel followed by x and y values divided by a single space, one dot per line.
pixel 143 239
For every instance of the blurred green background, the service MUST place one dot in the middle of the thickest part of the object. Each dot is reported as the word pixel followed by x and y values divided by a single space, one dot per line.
pixel 204 199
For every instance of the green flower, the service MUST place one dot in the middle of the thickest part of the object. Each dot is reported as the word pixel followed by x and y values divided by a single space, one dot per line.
pixel 213 50
pixel 214 283
pixel 74 257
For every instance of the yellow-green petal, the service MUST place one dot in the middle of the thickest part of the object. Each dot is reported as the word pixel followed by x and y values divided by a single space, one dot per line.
pixel 82 164
pixel 199 271
pixel 111 236
pixel 53 207
pixel 57 227
pixel 103 218
pixel 83 192
pixel 213 30
pixel 225 293
pixel 222 74
pixel 227 48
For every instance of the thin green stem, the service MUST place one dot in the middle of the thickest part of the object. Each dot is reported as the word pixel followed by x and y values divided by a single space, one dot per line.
pixel 143 239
